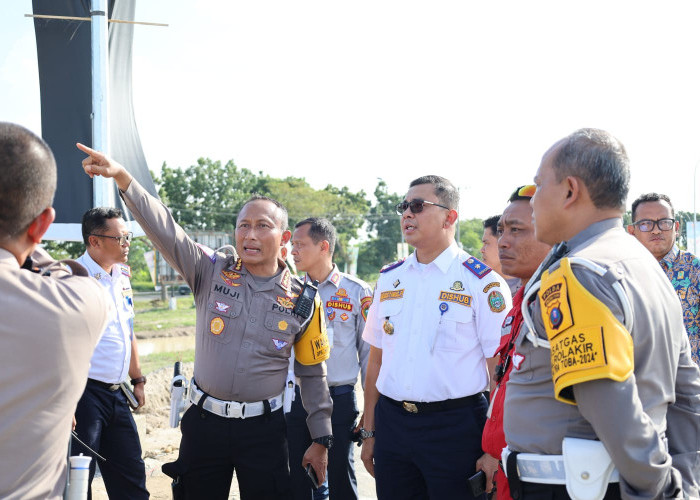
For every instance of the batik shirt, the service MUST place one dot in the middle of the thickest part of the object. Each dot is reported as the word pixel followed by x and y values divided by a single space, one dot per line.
pixel 683 269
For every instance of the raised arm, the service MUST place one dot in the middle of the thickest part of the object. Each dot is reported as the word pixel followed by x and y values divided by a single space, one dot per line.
pixel 169 238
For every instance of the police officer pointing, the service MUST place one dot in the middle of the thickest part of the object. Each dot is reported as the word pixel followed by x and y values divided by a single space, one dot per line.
pixel 247 322
pixel 605 355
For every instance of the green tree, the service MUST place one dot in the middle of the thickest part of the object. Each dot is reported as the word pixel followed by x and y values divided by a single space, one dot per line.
pixel 206 195
pixel 60 250
pixel 384 228
pixel 209 196
pixel 470 232
pixel 345 209
pixel 686 222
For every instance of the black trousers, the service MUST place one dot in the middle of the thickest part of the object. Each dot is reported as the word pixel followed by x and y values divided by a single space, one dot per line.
pixel 342 484
pixel 420 456
pixel 104 422
pixel 212 447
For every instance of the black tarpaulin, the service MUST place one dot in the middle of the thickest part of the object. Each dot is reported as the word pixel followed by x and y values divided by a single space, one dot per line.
pixel 64 57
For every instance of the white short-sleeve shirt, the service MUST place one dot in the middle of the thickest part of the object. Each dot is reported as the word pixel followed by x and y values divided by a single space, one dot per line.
pixel 446 320
pixel 112 356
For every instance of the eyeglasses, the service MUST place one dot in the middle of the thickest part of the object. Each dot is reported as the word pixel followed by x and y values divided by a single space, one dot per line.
pixel 647 225
pixel 416 206
pixel 123 239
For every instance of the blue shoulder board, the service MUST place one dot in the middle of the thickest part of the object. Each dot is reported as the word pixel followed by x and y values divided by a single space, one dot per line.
pixel 477 267
pixel 391 266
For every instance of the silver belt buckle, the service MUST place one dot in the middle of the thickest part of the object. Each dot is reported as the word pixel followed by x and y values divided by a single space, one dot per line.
pixel 234 410
pixel 410 407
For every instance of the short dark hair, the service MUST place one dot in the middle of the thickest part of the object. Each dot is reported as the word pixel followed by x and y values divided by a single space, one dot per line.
pixel 95 221
pixel 283 218
pixel 320 229
pixel 651 197
pixel 600 161
pixel 444 189
pixel 492 224
pixel 27 178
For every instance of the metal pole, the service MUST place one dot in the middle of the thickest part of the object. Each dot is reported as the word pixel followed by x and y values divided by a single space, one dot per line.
pixel 102 189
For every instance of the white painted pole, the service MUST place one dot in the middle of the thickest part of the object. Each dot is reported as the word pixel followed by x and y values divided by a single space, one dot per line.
pixel 103 192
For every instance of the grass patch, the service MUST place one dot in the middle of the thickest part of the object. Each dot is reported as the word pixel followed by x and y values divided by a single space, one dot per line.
pixel 156 315
pixel 156 361
pixel 142 286
pixel 185 302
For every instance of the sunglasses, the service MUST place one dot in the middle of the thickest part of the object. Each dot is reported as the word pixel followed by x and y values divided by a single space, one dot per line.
pixel 123 239
pixel 647 225
pixel 416 206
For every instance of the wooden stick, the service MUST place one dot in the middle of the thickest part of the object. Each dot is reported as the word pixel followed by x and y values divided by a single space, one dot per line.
pixel 71 18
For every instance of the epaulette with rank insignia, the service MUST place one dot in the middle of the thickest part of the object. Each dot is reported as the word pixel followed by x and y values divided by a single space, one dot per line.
pixel 391 266
pixel 477 267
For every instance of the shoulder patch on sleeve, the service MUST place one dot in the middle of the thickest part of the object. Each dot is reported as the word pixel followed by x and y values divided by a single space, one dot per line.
pixel 391 266
pixel 478 268
pixel 365 302
pixel 208 252
pixel 126 270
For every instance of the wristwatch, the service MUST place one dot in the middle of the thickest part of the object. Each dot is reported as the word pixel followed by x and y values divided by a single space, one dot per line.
pixel 138 380
pixel 326 441
pixel 365 434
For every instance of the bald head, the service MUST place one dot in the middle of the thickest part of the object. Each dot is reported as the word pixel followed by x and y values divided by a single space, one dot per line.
pixel 27 179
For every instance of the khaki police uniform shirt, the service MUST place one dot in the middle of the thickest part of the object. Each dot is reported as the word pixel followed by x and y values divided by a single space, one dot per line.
pixel 245 327
pixel 346 300
pixel 50 326
pixel 629 417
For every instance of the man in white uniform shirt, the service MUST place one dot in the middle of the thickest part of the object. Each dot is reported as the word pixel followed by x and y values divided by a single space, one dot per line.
pixel 104 421
pixel 433 327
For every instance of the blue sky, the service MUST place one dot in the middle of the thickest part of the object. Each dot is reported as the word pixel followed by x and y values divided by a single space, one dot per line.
pixel 345 92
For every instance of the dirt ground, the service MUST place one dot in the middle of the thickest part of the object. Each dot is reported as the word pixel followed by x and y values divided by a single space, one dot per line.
pixel 160 442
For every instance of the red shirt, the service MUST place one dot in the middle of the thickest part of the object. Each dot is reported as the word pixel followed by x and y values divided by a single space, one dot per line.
pixel 493 439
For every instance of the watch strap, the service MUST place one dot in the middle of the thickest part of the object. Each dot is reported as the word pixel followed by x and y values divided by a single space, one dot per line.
pixel 326 441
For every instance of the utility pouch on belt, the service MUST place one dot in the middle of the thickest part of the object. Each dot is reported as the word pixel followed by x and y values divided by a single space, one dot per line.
pixel 313 346
pixel 587 341
pixel 588 467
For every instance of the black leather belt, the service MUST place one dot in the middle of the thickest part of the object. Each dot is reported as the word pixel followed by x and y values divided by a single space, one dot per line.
pixel 104 385
pixel 447 404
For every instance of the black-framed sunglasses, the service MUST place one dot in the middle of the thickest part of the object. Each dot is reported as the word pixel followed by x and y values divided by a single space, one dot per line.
pixel 123 239
pixel 646 225
pixel 416 206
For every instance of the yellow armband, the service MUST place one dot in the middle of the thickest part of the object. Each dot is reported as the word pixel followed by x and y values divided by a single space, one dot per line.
pixel 313 346
pixel 587 341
